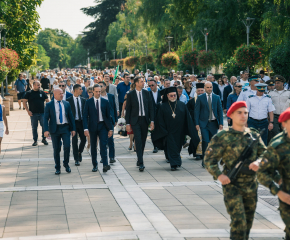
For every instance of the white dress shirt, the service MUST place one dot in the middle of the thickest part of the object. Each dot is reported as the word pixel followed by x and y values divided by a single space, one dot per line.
pixel 56 106
pixel 213 117
pixel 76 107
pixel 138 95
pixel 64 96
pixel 155 94
pixel 100 111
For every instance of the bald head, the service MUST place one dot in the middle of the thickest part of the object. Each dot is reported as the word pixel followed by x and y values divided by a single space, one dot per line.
pixel 233 79
pixel 208 87
pixel 58 94
pixel 36 85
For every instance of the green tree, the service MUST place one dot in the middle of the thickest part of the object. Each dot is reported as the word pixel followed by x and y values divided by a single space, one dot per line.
pixel 21 19
pixel 104 12
pixel 42 58
pixel 77 53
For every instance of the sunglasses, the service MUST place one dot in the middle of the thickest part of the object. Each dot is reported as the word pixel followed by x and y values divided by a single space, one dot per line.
pixel 61 85
pixel 238 86
pixel 173 95
pixel 151 85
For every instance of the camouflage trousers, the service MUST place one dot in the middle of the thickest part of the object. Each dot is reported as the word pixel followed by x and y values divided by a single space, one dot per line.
pixel 241 201
pixel 285 215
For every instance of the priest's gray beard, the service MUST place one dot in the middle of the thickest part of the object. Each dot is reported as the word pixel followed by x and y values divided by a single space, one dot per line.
pixel 172 100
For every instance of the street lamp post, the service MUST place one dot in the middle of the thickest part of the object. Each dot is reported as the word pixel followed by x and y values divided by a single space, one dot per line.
pixel 146 55
pixel 105 55
pixel 88 58
pixel 169 39
pixel 121 49
pixel 98 56
pixel 2 26
pixel 205 34
pixel 134 51
pixel 248 23
pixel 191 39
pixel 114 52
pixel 129 51
pixel 6 82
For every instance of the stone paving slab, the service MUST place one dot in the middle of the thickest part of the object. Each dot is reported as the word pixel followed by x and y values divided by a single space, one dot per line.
pixel 120 204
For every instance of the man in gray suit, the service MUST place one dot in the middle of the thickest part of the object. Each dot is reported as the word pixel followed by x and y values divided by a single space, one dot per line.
pixel 208 115
pixel 110 88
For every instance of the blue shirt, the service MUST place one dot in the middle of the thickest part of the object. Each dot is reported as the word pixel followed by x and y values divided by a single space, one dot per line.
pixel 122 88
pixel 259 106
pixel 182 98
pixel 20 85
pixel 233 97
pixel 185 94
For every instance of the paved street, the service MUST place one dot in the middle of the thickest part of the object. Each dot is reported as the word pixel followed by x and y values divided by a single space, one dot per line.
pixel 120 204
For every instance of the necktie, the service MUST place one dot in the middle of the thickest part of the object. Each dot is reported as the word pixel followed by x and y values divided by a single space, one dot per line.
pixel 141 105
pixel 79 109
pixel 97 107
pixel 210 107
pixel 60 112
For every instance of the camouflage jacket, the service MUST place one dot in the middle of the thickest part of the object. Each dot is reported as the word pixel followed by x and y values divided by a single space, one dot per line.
pixel 276 158
pixel 228 146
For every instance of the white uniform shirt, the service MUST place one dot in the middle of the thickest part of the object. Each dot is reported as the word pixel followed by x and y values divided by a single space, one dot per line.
pixel 57 112
pixel 100 111
pixel 260 107
pixel 245 93
pixel 281 100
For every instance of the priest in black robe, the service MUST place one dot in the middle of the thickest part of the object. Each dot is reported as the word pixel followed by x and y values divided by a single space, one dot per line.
pixel 174 123
pixel 192 149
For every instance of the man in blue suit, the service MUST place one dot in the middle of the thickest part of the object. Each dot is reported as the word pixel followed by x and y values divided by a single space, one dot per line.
pixel 113 112
pixel 208 115
pixel 84 88
pixel 97 123
pixel 66 94
pixel 59 122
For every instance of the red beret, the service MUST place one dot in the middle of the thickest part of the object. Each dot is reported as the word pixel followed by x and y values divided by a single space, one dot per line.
pixel 284 116
pixel 236 106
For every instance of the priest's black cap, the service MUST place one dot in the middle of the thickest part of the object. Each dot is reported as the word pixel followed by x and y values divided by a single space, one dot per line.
pixel 169 90
pixel 199 85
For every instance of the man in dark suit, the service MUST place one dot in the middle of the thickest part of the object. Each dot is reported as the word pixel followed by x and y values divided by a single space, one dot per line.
pixel 66 94
pixel 113 112
pixel 156 99
pixel 228 89
pixel 208 115
pixel 77 104
pixel 85 94
pixel 59 122
pixel 97 123
pixel 215 87
pixel 139 114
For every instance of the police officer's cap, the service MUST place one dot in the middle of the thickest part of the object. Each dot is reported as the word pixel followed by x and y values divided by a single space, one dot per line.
pixel 256 78
pixel 261 86
pixel 279 78
pixel 270 82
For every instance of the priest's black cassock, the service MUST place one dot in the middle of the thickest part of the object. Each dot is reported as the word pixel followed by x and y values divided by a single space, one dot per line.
pixel 171 131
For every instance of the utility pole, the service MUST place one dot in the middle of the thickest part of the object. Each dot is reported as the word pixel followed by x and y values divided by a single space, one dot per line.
pixel 169 39
pixel 248 23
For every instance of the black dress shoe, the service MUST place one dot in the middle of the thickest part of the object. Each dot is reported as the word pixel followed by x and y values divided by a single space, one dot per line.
pixel 67 169
pixel 155 150
pixel 112 160
pixel 34 144
pixel 173 169
pixel 106 168
pixel 134 150
pixel 95 169
pixel 167 161
pixel 197 158
pixel 129 149
pixel 44 141
pixel 57 172
pixel 141 168
pixel 101 161
pixel 80 157
pixel 77 163
pixel 138 164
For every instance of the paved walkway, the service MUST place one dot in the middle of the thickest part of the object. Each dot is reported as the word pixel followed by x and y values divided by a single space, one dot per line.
pixel 120 204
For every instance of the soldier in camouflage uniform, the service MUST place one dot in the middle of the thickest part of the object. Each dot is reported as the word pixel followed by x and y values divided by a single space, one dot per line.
pixel 277 159
pixel 240 196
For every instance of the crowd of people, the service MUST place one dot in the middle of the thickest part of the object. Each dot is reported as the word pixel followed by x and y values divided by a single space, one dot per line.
pixel 206 98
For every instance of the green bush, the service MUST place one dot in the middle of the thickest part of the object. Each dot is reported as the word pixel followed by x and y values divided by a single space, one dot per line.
pixel 279 60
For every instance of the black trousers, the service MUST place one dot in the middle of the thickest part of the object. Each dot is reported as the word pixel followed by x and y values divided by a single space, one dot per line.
pixel 78 148
pixel 140 130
